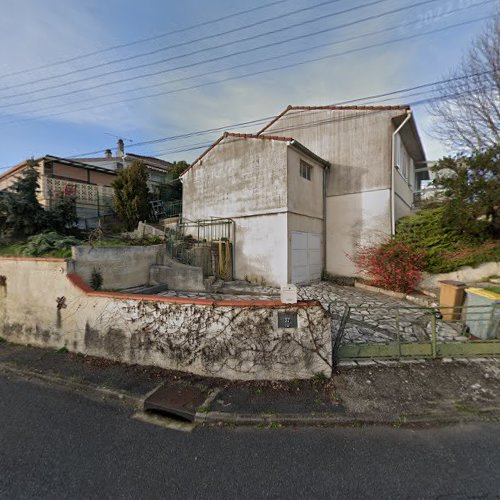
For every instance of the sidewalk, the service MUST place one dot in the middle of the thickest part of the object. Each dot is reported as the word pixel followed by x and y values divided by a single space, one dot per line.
pixel 427 392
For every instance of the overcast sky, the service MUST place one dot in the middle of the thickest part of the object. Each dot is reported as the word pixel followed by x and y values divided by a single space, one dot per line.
pixel 36 119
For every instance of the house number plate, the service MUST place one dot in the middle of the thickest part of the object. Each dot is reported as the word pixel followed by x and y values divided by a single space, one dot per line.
pixel 287 319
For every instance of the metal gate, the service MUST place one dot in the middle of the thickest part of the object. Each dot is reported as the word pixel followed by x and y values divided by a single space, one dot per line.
pixel 415 332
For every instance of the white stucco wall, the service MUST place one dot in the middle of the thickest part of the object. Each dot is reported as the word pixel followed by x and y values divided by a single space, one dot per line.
pixel 256 182
pixel 305 197
pixel 261 249
pixel 358 145
pixel 354 218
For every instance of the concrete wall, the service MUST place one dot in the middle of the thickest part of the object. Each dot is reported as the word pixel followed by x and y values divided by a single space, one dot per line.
pixel 42 305
pixel 261 249
pixel 239 177
pixel 120 267
pixel 358 145
pixel 305 197
pixel 466 274
pixel 362 218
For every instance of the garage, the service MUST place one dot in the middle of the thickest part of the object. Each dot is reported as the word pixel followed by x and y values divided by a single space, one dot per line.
pixel 306 256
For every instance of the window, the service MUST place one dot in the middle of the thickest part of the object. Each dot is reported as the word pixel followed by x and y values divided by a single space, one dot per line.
pixel 305 170
pixel 403 160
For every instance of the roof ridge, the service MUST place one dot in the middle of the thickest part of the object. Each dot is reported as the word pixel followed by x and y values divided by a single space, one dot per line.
pixel 334 107
pixel 255 136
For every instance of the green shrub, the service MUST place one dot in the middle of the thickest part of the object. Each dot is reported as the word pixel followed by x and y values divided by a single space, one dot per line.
pixel 49 244
pixel 445 247
pixel 96 279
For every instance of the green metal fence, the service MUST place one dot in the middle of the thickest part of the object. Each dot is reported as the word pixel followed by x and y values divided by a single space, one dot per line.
pixel 420 332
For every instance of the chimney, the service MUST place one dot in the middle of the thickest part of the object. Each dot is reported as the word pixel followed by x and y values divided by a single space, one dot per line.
pixel 108 154
pixel 120 151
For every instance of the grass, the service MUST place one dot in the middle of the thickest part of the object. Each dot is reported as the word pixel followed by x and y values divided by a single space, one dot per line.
pixel 495 289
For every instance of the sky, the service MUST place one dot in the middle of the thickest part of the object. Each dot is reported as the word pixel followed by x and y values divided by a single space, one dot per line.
pixel 77 74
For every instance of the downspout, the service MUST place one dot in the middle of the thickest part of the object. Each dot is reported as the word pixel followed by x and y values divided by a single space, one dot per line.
pixel 393 170
pixel 326 170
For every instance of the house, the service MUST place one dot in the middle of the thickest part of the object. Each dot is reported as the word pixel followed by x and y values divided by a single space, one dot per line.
pixel 88 179
pixel 272 188
pixel 158 169
pixel 366 164
pixel 89 184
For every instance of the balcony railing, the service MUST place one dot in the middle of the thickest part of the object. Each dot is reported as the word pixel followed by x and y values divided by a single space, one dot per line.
pixel 85 194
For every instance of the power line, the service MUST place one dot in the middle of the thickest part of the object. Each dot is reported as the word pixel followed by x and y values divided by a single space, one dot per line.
pixel 253 37
pixel 226 127
pixel 144 40
pixel 210 73
pixel 168 47
pixel 268 118
pixel 307 61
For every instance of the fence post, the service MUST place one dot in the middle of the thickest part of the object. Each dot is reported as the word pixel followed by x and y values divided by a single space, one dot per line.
pixel 398 338
pixel 433 334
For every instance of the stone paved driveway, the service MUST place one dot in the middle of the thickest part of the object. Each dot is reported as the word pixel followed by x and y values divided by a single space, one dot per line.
pixel 373 315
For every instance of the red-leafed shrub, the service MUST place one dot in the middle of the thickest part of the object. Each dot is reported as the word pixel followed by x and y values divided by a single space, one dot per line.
pixel 392 265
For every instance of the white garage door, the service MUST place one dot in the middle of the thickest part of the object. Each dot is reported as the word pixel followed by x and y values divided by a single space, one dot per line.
pixel 306 257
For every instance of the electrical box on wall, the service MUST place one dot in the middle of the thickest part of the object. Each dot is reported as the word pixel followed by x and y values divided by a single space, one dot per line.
pixel 288 294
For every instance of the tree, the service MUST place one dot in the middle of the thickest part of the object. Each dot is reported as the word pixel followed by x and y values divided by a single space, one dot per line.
pixel 467 106
pixel 470 187
pixel 131 195
pixel 21 214
pixel 172 190
pixel 62 216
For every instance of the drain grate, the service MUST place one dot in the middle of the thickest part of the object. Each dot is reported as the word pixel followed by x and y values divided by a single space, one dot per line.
pixel 177 400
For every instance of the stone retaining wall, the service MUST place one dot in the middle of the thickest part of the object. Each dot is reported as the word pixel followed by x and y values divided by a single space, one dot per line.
pixel 44 304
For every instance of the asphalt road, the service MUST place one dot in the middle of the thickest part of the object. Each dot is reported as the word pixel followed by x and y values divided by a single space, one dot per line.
pixel 56 444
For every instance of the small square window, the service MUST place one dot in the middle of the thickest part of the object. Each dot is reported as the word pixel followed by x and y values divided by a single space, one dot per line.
pixel 305 170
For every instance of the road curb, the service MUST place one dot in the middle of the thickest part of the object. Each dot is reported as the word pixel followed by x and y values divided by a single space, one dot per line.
pixel 246 419
pixel 268 419
pixel 69 384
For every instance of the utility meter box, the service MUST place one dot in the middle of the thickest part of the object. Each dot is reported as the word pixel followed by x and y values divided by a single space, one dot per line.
pixel 289 294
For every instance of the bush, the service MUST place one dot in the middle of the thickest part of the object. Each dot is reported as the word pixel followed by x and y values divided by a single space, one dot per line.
pixel 49 244
pixel 444 246
pixel 392 265
pixel 96 279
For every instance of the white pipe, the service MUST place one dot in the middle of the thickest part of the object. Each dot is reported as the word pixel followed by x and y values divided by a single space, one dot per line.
pixel 393 168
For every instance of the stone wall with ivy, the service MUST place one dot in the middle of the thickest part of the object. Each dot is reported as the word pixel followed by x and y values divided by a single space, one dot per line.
pixel 43 303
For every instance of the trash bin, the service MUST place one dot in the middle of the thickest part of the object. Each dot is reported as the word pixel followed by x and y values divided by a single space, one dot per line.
pixel 483 322
pixel 451 295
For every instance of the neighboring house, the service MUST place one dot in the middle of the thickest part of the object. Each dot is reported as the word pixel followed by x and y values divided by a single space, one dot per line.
pixel 89 184
pixel 88 179
pixel 158 169
pixel 376 161
pixel 272 188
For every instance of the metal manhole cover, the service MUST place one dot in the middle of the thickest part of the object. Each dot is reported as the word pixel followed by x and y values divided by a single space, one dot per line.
pixel 177 399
